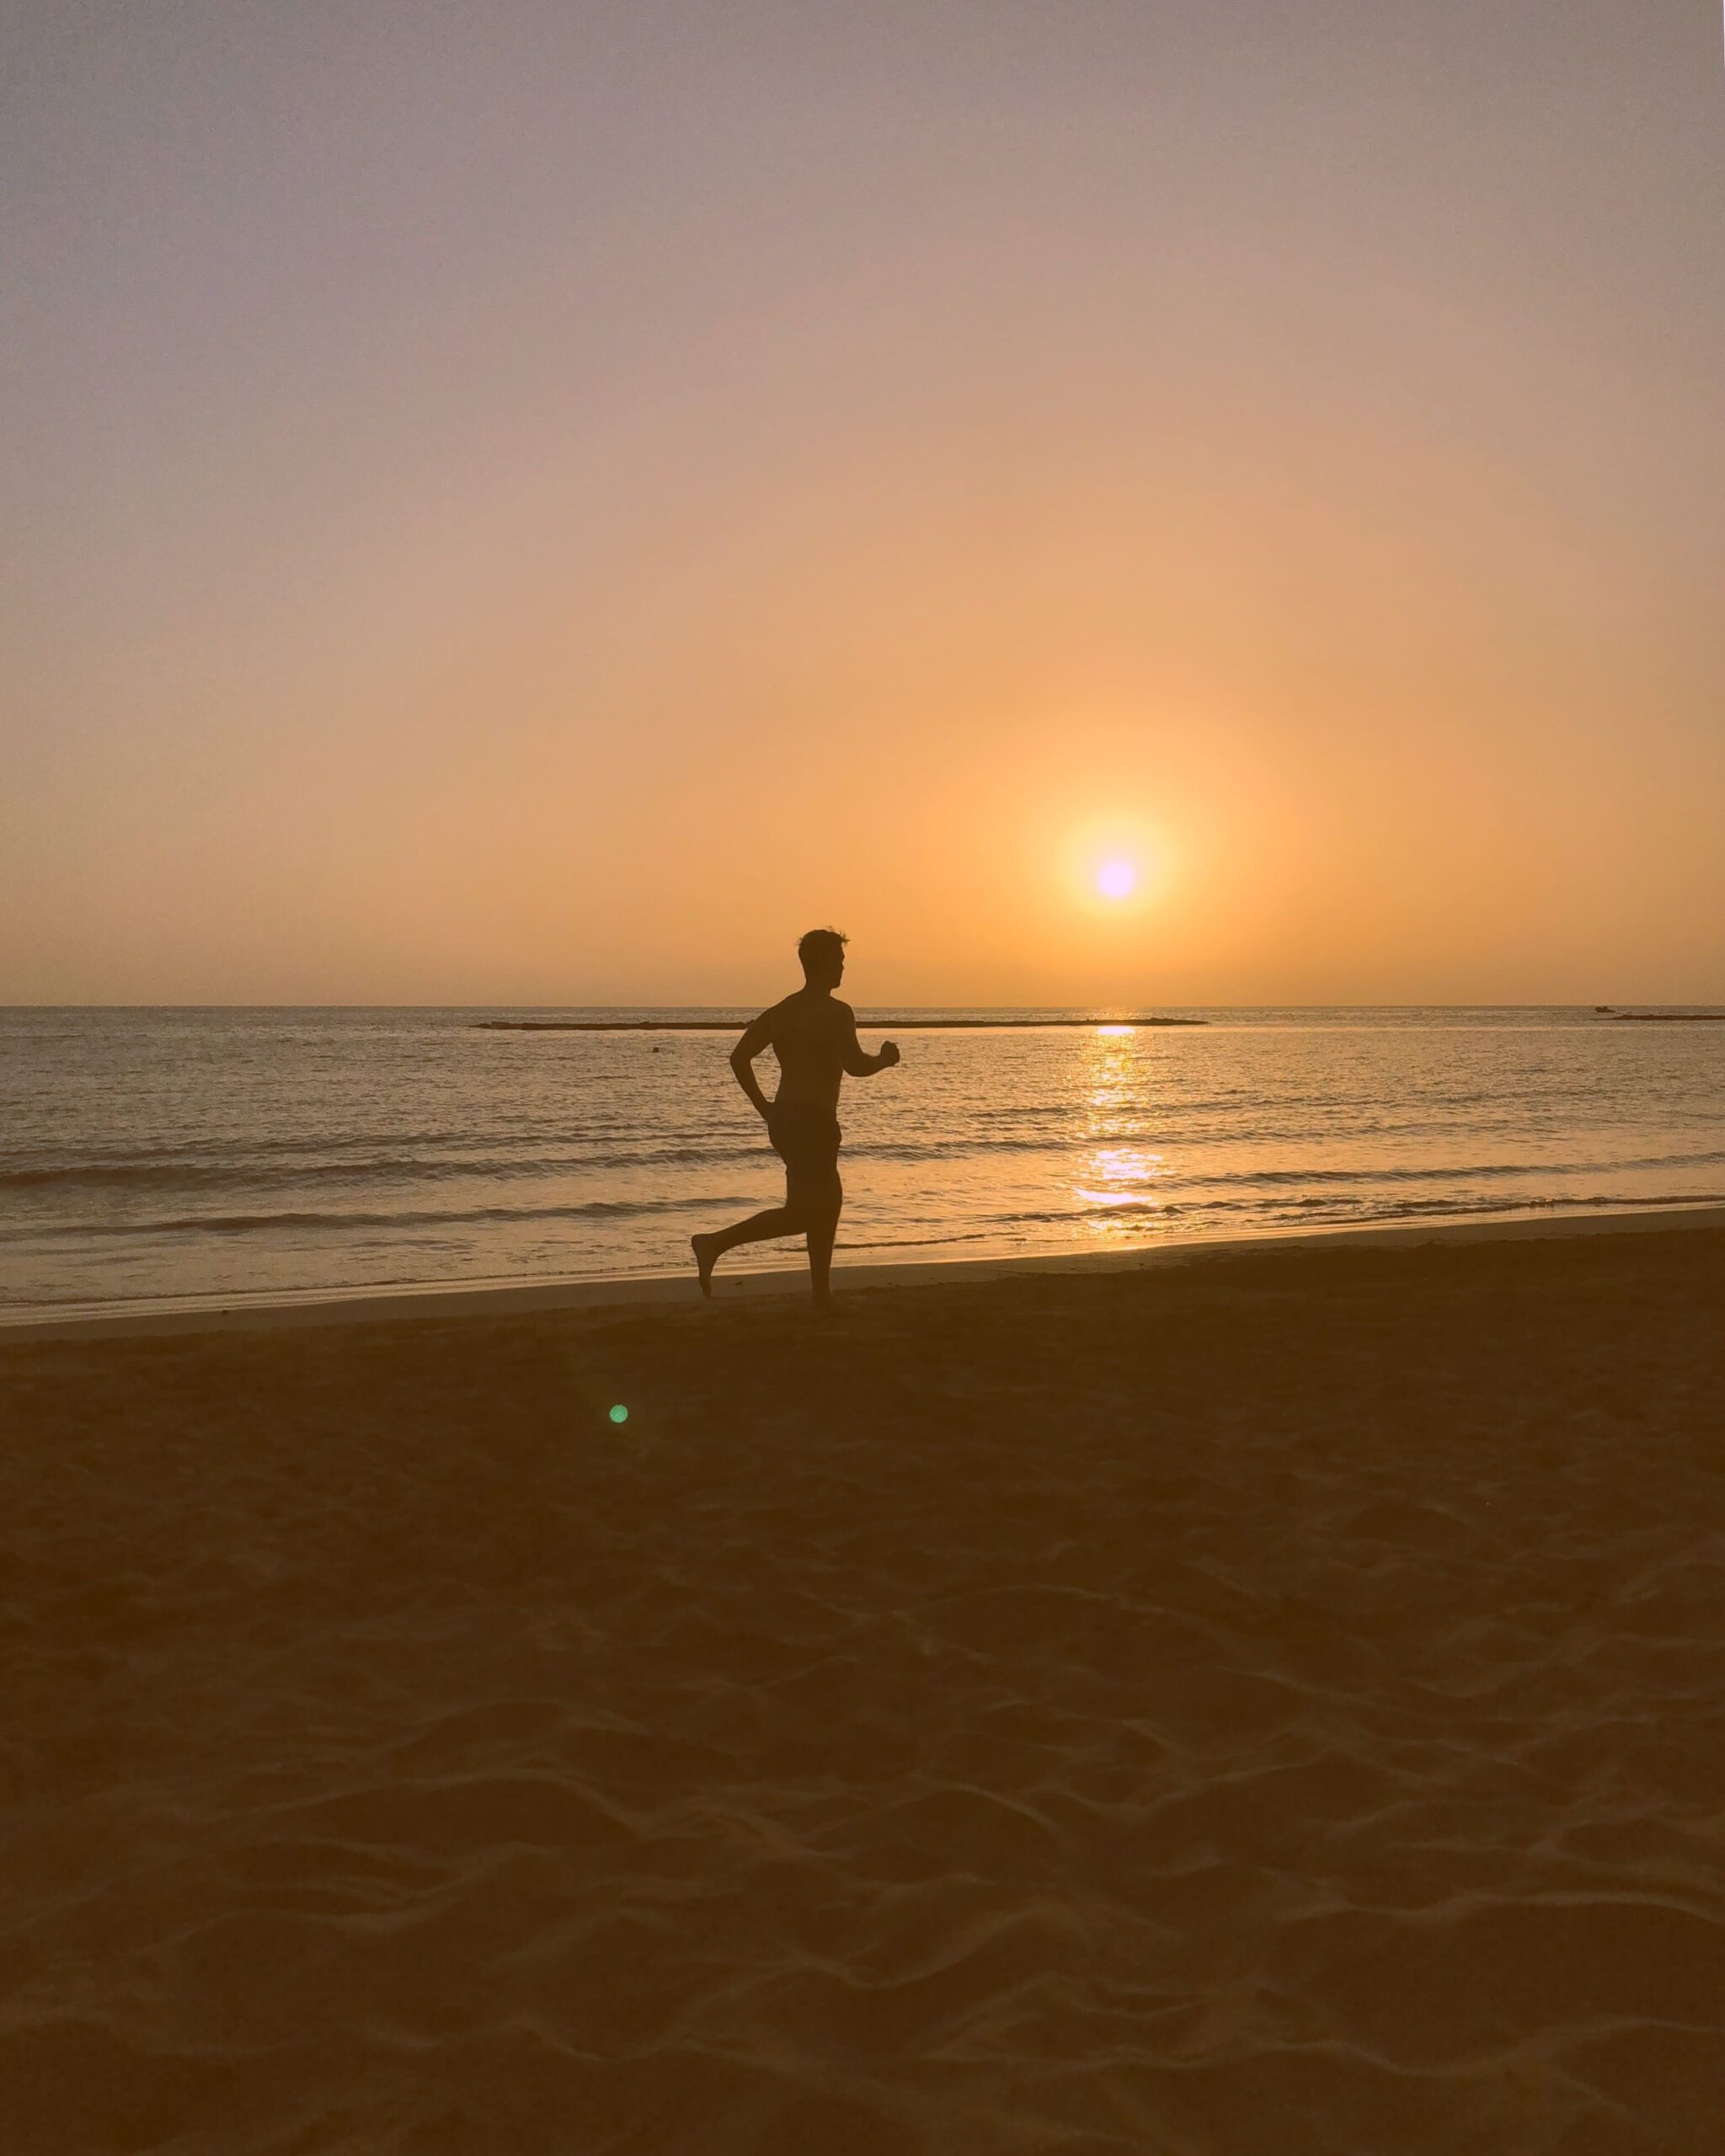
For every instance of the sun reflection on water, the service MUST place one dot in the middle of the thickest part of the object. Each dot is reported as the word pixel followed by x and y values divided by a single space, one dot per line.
pixel 1117 1170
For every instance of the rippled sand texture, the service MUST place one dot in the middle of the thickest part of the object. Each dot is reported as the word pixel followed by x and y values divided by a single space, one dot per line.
pixel 1273 1706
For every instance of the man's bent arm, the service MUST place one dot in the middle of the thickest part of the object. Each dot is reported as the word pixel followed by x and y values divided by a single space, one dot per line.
pixel 755 1041
pixel 858 1061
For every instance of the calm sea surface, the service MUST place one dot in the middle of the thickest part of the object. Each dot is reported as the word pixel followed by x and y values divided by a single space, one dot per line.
pixel 152 1154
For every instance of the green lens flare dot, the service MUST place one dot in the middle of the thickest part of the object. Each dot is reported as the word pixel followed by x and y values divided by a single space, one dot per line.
pixel 619 1414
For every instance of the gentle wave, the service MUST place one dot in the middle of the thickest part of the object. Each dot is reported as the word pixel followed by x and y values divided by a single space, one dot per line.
pixel 146 1175
pixel 159 1175
pixel 233 1224
pixel 1456 1207
pixel 1098 1212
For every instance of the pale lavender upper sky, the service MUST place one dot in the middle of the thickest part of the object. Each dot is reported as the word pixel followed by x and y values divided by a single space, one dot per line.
pixel 543 502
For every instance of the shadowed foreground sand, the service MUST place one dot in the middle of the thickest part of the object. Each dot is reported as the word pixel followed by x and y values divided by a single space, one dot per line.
pixel 1273 1706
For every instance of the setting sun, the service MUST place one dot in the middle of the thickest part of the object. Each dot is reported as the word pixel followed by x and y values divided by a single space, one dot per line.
pixel 1116 879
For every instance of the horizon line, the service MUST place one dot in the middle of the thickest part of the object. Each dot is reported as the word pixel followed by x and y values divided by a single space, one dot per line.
pixel 1622 1005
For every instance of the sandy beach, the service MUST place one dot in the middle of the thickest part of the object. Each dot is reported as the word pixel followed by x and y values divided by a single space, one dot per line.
pixel 1272 1703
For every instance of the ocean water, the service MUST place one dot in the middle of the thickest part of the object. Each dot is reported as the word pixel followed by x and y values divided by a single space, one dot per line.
pixel 150 1154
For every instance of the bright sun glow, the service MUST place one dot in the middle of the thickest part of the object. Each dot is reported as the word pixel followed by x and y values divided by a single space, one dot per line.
pixel 1116 879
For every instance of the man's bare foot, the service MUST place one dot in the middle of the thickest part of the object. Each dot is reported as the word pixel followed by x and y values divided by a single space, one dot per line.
pixel 705 1257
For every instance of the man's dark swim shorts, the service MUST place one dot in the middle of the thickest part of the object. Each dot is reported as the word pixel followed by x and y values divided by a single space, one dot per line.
pixel 805 1136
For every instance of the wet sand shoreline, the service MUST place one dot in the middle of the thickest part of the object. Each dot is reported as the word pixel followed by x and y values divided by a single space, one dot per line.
pixel 393 1305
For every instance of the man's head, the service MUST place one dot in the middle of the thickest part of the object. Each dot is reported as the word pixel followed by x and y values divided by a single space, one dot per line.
pixel 822 952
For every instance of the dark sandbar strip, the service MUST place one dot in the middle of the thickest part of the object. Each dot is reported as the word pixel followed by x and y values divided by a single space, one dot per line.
pixel 736 1024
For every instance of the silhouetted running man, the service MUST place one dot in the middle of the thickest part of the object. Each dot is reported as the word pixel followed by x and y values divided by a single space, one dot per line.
pixel 814 1037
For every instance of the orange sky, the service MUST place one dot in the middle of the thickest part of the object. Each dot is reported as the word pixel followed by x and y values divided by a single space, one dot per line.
pixel 535 504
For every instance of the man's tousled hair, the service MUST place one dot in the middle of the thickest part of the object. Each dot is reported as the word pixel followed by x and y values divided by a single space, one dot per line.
pixel 818 944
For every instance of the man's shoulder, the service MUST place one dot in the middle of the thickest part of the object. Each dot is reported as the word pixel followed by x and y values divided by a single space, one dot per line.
pixel 765 1020
pixel 782 1013
pixel 808 1013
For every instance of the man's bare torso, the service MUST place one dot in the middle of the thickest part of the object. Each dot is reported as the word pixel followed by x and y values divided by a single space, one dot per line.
pixel 811 1034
